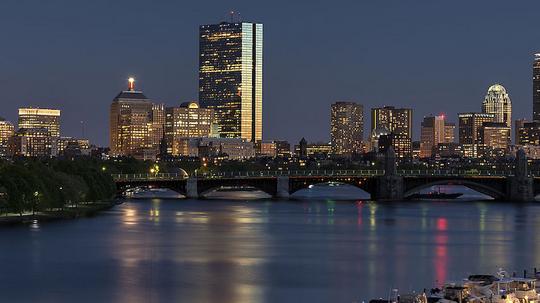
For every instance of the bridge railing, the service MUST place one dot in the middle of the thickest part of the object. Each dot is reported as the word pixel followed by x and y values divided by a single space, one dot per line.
pixel 455 172
pixel 291 173
pixel 146 177
pixel 314 173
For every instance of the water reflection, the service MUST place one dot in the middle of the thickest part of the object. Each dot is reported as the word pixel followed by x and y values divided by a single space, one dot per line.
pixel 262 251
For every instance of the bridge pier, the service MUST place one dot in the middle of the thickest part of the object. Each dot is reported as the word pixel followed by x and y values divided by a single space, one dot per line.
pixel 191 188
pixel 282 187
pixel 390 186
pixel 520 187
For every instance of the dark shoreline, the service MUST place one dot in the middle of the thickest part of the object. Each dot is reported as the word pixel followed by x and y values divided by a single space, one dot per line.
pixel 88 210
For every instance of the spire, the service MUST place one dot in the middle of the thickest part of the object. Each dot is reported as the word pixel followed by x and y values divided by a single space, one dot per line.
pixel 131 84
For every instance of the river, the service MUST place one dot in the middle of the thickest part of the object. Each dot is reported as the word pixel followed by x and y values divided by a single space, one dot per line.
pixel 177 250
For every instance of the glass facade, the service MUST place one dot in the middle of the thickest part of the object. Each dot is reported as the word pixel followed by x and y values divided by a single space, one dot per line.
pixel 230 77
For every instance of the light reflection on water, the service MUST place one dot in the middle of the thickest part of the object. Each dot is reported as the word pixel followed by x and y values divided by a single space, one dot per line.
pixel 264 251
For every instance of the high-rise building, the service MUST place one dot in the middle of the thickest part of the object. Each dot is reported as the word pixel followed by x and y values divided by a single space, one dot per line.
pixel 183 122
pixel 131 124
pixel 393 121
pixel 496 137
pixel 518 124
pixel 7 130
pixel 33 142
pixel 346 128
pixel 230 77
pixel 449 132
pixel 42 118
pixel 497 102
pixel 470 136
pixel 401 144
pixel 536 88
pixel 529 134
pixel 433 132
pixel 157 131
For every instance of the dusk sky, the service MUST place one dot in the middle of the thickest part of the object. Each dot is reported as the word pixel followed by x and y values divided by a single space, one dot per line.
pixel 433 56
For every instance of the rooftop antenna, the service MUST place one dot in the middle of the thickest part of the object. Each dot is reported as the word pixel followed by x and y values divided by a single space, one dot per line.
pixel 82 129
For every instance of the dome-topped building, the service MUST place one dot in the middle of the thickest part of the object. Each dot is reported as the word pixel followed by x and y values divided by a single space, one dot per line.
pixel 498 102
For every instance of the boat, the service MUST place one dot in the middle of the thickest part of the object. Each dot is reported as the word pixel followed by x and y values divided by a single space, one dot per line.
pixel 498 288
pixel 435 195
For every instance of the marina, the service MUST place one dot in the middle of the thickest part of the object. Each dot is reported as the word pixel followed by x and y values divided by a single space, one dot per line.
pixel 498 288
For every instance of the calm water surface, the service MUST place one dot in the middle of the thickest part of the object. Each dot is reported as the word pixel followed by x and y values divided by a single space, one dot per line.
pixel 263 251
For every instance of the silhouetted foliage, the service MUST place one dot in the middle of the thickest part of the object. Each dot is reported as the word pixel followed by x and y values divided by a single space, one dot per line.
pixel 34 185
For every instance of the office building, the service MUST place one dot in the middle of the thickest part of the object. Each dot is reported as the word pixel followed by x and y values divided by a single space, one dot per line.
pixel 131 124
pixel 497 102
pixel 33 142
pixel 186 121
pixel 395 120
pixel 432 132
pixel 42 118
pixel 529 134
pixel 449 132
pixel 401 143
pixel 7 130
pixel 389 120
pixel 157 129
pixel 470 136
pixel 518 124
pixel 230 77
pixel 496 137
pixel 346 128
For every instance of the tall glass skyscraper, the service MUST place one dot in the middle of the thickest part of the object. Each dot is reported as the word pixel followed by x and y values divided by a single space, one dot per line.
pixel 536 88
pixel 230 77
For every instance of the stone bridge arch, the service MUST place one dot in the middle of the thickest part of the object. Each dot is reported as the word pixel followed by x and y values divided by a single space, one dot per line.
pixel 364 183
pixel 266 185
pixel 178 186
pixel 495 188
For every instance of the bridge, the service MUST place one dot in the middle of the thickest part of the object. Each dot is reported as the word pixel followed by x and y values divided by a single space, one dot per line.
pixel 389 183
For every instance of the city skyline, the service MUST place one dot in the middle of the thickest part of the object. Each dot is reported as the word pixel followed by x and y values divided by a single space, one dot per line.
pixel 299 86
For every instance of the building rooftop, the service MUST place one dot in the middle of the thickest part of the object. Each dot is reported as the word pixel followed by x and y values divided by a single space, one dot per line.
pixel 126 94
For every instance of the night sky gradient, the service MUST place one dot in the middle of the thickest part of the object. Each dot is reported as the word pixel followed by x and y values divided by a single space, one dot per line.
pixel 433 56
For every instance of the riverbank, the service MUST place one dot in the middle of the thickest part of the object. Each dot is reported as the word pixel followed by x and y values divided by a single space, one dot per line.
pixel 82 210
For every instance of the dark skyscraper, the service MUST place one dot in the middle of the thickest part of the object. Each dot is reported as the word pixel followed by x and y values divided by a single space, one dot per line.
pixel 536 88
pixel 230 77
